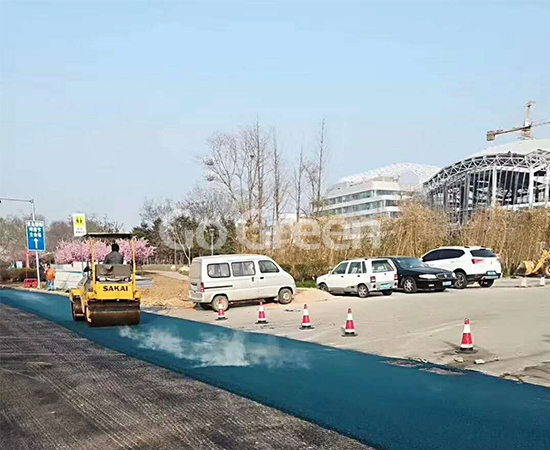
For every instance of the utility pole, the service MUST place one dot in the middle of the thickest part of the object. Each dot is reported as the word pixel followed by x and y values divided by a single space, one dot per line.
pixel 31 201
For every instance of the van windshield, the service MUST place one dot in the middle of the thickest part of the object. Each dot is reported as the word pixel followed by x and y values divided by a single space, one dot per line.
pixel 195 270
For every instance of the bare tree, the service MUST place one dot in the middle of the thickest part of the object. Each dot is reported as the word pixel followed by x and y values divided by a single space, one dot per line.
pixel 321 166
pixel 238 164
pixel 280 186
pixel 297 182
pixel 208 204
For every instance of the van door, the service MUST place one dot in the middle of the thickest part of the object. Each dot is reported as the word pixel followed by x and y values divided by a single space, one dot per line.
pixel 354 276
pixel 195 293
pixel 244 281
pixel 384 274
pixel 336 281
pixel 270 279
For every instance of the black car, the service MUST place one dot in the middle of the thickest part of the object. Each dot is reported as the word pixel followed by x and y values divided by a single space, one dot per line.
pixel 413 274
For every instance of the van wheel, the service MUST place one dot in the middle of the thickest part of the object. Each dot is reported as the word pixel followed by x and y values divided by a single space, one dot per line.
pixel 323 287
pixel 387 292
pixel 363 291
pixel 486 283
pixel 285 296
pixel 220 302
pixel 461 281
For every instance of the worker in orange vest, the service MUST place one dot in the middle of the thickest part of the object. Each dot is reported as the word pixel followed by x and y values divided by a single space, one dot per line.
pixel 50 278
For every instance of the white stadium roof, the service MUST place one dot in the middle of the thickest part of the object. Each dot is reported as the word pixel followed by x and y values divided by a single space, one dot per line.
pixel 518 147
pixel 422 171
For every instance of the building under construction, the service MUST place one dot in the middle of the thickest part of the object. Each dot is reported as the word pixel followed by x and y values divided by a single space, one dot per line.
pixel 514 175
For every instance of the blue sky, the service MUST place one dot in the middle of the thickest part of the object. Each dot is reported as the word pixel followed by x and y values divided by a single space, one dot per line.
pixel 104 103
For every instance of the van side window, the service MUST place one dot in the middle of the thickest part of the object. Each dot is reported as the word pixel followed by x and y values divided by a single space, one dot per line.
pixel 268 267
pixel 355 267
pixel 243 269
pixel 218 270
pixel 381 266
pixel 341 268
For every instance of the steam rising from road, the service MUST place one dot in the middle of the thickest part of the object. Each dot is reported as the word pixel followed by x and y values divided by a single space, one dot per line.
pixel 217 350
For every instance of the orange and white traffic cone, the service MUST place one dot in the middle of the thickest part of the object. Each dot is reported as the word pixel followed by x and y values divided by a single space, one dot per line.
pixel 221 314
pixel 523 282
pixel 350 325
pixel 261 314
pixel 467 344
pixel 306 321
pixel 542 281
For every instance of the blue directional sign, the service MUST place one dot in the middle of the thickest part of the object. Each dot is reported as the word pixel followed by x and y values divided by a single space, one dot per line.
pixel 36 236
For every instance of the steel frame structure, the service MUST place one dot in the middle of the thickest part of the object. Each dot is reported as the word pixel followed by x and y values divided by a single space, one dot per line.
pixel 510 180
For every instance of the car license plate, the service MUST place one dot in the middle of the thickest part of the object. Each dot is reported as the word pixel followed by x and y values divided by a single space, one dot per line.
pixel 446 283
pixel 385 286
pixel 491 272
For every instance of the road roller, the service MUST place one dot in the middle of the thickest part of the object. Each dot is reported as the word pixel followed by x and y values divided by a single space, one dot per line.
pixel 107 293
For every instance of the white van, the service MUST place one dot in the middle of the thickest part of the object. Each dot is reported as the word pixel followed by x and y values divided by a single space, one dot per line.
pixel 215 281
pixel 361 276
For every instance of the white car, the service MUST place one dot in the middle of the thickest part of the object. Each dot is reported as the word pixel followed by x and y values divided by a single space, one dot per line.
pixel 469 264
pixel 217 280
pixel 360 276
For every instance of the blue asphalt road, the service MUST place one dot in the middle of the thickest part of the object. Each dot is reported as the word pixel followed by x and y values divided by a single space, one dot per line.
pixel 363 396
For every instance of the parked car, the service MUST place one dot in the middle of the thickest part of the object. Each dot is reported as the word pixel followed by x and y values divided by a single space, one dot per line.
pixel 469 264
pixel 216 281
pixel 360 276
pixel 414 274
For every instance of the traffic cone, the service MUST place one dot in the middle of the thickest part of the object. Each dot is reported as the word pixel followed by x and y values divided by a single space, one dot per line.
pixel 467 344
pixel 350 325
pixel 524 282
pixel 261 314
pixel 542 281
pixel 221 314
pixel 306 321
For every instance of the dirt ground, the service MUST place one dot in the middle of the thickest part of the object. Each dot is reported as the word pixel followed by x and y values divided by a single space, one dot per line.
pixel 510 326
pixel 166 292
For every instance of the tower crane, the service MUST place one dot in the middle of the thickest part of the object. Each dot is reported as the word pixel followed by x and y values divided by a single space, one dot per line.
pixel 526 129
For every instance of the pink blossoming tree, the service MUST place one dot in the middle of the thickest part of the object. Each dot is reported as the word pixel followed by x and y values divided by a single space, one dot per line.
pixel 68 252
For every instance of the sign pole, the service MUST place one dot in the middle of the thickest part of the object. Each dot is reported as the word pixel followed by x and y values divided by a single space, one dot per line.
pixel 36 253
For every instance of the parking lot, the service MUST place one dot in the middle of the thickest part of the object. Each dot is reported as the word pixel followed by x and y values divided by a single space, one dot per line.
pixel 509 325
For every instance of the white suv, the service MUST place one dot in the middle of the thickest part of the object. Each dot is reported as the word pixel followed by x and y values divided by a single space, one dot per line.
pixel 469 264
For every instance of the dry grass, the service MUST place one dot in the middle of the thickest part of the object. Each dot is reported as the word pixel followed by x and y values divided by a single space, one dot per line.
pixel 514 235
pixel 166 292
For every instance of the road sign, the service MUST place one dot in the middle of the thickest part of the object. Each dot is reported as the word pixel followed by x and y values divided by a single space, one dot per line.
pixel 79 224
pixel 36 236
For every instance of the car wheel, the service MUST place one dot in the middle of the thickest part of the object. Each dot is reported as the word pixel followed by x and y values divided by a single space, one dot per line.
pixel 409 285
pixel 285 296
pixel 461 281
pixel 387 292
pixel 363 291
pixel 323 287
pixel 486 283
pixel 205 305
pixel 220 302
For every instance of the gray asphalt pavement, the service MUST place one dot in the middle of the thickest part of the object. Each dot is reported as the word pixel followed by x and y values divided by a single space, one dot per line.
pixel 61 391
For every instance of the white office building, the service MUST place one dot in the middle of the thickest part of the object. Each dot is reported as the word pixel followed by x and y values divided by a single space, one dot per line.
pixel 377 192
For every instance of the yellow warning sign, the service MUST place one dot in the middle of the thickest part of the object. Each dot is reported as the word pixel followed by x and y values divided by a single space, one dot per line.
pixel 79 224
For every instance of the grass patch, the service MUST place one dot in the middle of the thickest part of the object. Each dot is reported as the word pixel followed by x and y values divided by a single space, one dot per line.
pixel 306 284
